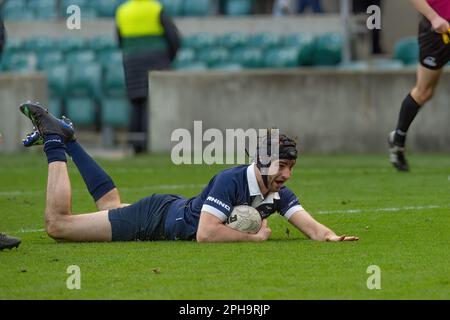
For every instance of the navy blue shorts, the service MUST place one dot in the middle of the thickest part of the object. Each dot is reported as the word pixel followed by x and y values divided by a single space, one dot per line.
pixel 143 220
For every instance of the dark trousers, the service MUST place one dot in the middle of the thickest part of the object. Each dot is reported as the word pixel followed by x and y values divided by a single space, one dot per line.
pixel 138 128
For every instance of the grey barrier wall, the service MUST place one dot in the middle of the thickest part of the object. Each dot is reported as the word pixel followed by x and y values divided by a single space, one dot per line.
pixel 329 111
pixel 14 90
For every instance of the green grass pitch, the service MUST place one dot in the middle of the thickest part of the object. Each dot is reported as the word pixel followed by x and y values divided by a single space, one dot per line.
pixel 403 221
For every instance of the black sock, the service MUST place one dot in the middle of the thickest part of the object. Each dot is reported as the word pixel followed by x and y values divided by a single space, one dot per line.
pixel 408 112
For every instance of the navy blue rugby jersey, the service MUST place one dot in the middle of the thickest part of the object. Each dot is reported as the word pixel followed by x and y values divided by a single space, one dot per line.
pixel 229 188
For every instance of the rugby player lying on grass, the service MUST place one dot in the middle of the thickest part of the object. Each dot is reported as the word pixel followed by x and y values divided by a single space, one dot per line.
pixel 163 216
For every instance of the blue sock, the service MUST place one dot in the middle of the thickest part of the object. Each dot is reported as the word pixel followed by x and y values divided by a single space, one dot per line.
pixel 54 148
pixel 97 181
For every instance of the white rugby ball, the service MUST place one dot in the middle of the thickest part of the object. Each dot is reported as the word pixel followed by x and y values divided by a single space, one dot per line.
pixel 245 219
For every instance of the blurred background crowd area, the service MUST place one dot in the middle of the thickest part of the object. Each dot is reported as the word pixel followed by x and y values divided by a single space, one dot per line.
pixel 226 35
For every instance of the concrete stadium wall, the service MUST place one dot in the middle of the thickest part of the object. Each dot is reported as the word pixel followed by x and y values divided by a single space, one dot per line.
pixel 329 111
pixel 14 90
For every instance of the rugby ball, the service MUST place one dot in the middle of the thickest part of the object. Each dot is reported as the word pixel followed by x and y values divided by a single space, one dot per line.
pixel 245 219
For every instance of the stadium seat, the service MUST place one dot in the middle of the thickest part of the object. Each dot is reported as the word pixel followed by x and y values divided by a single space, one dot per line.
pixel 16 10
pixel 238 7
pixel 44 9
pixel 81 111
pixel 281 58
pixel 264 40
pixel 107 58
pixel 57 76
pixel 40 44
pixel 185 56
pixel 251 58
pixel 87 8
pixel 106 8
pixel 192 66
pixel 71 44
pixel 55 107
pixel 328 49
pixel 407 50
pixel 114 82
pixel 199 41
pixel 14 45
pixel 49 59
pixel 173 8
pixel 85 81
pixel 227 66
pixel 305 44
pixel 80 57
pixel 115 112
pixel 19 62
pixel 197 7
pixel 102 43
pixel 214 56
pixel 232 40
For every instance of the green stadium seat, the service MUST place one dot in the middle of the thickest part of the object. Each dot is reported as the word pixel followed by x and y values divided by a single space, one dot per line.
pixel 81 111
pixel 238 7
pixel 197 7
pixel 55 107
pixel 107 58
pixel 114 82
pixel 85 81
pixel 71 44
pixel 83 4
pixel 80 57
pixel 251 58
pixel 185 56
pixel 281 58
pixel 173 8
pixel 44 9
pixel 16 10
pixel 328 49
pixel 264 40
pixel 214 56
pixel 115 112
pixel 57 76
pixel 305 44
pixel 14 45
pixel 192 66
pixel 407 50
pixel 106 8
pixel 102 43
pixel 40 44
pixel 227 66
pixel 19 62
pixel 199 41
pixel 232 40
pixel 49 59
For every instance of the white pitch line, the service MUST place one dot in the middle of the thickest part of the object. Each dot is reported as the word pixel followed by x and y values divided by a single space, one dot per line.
pixel 319 212
pixel 382 209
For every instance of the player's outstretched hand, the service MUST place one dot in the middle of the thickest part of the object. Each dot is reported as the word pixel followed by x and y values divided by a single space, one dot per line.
pixel 336 238
pixel 265 232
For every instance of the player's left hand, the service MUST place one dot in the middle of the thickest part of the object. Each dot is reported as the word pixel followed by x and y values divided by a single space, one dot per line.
pixel 335 238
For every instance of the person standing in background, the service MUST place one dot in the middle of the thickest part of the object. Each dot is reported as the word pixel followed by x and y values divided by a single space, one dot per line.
pixel 434 54
pixel 149 41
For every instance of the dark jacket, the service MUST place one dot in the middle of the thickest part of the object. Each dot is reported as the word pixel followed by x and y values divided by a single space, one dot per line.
pixel 138 64
pixel 2 36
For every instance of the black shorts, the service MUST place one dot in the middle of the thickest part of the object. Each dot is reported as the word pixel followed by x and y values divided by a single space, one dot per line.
pixel 143 220
pixel 434 53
